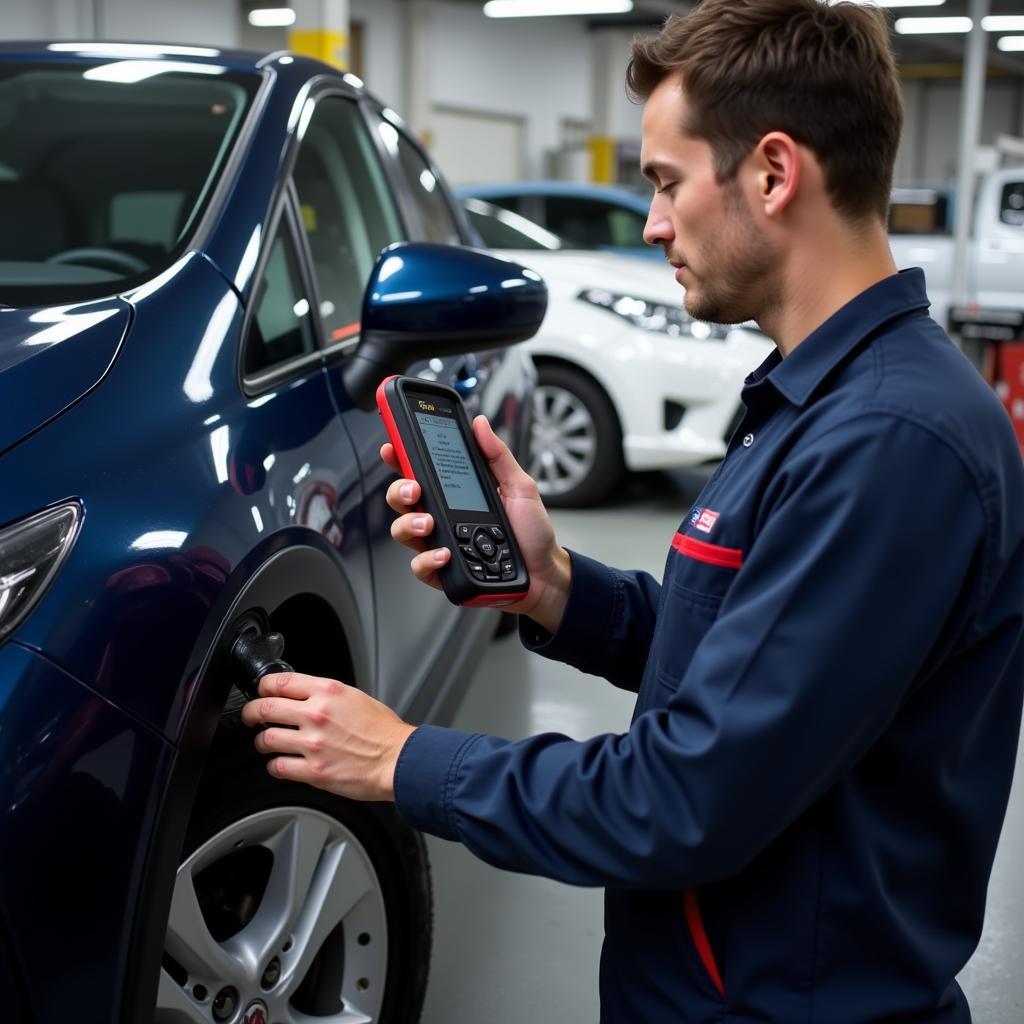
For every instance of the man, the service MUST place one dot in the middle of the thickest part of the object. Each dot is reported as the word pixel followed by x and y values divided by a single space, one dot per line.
pixel 800 822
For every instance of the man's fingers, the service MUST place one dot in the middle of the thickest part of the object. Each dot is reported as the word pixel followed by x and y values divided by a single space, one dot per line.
pixel 388 455
pixel 402 495
pixel 296 685
pixel 276 710
pixel 425 566
pixel 411 529
pixel 281 741
pixel 514 481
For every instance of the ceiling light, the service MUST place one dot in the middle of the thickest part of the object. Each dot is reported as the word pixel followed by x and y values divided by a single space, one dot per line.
pixel 932 26
pixel 1003 23
pixel 271 17
pixel 1009 44
pixel 894 3
pixel 541 8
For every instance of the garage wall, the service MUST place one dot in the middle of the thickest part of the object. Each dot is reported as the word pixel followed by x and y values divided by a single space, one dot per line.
pixel 207 22
pixel 517 69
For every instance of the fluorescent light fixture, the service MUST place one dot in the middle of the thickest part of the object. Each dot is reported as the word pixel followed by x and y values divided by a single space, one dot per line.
pixel 932 26
pixel 1003 23
pixel 545 8
pixel 894 3
pixel 129 71
pixel 1011 44
pixel 133 50
pixel 271 17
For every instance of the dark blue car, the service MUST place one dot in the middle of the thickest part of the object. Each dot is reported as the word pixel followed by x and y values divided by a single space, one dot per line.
pixel 194 314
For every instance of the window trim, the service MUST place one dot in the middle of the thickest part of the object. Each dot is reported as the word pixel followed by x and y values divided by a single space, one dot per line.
pixel 284 216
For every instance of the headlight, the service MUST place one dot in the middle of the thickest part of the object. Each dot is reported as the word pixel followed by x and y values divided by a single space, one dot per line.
pixel 650 315
pixel 32 551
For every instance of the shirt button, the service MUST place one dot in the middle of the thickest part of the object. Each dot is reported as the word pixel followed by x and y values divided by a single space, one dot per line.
pixel 748 440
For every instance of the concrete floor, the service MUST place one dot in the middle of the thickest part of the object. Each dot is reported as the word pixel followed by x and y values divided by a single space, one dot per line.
pixel 512 948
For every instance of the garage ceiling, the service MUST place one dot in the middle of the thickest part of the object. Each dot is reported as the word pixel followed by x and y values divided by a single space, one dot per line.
pixel 943 51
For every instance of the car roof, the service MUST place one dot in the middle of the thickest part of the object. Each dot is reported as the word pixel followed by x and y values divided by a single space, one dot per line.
pixel 190 53
pixel 610 193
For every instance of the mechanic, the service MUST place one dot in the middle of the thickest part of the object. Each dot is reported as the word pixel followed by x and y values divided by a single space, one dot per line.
pixel 800 822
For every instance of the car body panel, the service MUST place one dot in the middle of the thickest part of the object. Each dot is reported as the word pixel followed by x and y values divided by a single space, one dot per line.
pixel 80 785
pixel 51 356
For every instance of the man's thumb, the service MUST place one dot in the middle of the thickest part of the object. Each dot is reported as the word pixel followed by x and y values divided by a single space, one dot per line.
pixel 511 477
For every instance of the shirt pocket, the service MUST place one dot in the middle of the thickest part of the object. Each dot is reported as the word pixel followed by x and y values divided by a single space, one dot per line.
pixel 700 574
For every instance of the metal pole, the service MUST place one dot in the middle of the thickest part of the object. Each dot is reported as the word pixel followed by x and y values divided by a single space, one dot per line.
pixel 970 131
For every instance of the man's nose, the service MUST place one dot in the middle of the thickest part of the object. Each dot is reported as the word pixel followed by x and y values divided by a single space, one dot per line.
pixel 658 229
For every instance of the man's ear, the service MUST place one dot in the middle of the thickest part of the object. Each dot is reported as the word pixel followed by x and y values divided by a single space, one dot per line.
pixel 777 161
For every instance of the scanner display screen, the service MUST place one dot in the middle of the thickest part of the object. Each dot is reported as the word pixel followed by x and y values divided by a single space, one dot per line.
pixel 449 455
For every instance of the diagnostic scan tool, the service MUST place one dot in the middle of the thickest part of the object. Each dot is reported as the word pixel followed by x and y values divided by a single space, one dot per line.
pixel 430 431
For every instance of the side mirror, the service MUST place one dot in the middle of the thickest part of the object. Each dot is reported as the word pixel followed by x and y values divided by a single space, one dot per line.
pixel 426 300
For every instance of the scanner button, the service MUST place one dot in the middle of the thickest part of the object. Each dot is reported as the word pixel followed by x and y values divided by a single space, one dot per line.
pixel 497 533
pixel 484 545
pixel 470 552
pixel 491 577
pixel 463 531
pixel 477 570
pixel 508 567
pixel 504 552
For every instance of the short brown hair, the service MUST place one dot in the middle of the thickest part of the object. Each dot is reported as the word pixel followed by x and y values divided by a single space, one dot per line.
pixel 824 74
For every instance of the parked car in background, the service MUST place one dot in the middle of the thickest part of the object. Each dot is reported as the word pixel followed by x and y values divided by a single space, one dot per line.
pixel 990 324
pixel 584 216
pixel 625 379
pixel 194 317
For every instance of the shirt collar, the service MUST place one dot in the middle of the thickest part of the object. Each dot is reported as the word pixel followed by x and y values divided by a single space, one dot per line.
pixel 799 374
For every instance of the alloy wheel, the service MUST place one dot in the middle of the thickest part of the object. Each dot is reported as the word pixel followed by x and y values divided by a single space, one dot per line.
pixel 275 919
pixel 563 440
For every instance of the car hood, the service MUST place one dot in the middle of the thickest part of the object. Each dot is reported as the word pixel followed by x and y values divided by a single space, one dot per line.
pixel 51 356
pixel 573 269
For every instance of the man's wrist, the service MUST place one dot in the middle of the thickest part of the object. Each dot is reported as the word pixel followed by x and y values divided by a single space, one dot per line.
pixel 555 596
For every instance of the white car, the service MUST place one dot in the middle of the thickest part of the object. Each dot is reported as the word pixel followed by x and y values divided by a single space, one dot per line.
pixel 626 380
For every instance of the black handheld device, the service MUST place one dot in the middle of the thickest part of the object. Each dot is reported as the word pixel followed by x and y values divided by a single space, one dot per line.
pixel 431 434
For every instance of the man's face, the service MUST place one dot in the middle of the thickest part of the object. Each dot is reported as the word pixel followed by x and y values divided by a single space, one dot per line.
pixel 724 260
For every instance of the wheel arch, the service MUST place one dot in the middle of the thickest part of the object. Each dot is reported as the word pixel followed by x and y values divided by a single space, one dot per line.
pixel 300 585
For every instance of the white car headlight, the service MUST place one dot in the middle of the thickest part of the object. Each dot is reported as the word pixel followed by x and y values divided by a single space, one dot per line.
pixel 651 315
pixel 32 551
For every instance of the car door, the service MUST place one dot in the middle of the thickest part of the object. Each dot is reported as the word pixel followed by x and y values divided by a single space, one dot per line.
pixel 349 213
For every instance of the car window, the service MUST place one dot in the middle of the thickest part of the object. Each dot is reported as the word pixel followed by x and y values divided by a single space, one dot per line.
pixel 503 229
pixel 439 224
pixel 1011 206
pixel 281 328
pixel 592 223
pixel 348 212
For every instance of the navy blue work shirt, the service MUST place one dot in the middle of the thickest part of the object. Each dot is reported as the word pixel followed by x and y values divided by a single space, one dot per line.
pixel 800 823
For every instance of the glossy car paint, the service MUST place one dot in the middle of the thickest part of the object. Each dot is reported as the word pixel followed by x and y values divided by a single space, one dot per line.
pixel 200 497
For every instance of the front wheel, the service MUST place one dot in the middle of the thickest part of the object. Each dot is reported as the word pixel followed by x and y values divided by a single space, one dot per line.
pixel 292 904
pixel 575 441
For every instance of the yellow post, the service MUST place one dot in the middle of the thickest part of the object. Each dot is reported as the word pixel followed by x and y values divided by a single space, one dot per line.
pixel 321 31
pixel 602 159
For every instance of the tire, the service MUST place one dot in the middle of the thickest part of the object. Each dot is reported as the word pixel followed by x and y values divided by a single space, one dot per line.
pixel 297 903
pixel 575 441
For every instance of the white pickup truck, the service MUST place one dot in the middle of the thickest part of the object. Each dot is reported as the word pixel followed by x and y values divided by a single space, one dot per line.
pixel 995 257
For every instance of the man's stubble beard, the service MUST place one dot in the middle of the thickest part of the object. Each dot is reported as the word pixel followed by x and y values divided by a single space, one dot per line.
pixel 739 270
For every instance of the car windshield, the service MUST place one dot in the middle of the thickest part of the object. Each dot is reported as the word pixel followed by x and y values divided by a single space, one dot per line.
pixel 105 168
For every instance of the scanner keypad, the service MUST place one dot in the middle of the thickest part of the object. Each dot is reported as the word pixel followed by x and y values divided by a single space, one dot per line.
pixel 485 552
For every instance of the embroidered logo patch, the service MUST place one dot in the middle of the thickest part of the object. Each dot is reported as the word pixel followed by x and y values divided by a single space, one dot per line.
pixel 706 520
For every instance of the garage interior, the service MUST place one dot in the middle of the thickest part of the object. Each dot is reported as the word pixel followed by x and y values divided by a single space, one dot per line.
pixel 542 98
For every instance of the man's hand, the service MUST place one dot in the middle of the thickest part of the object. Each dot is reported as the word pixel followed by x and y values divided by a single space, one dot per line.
pixel 340 739
pixel 547 563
